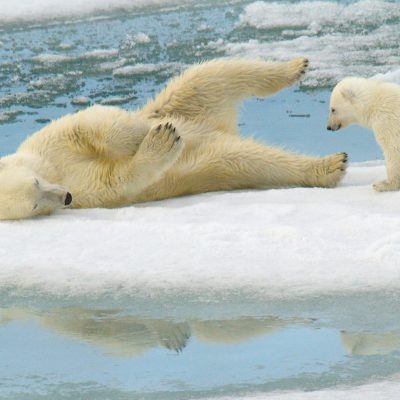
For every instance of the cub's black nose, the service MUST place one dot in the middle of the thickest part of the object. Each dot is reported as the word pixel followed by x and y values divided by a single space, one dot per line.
pixel 329 128
pixel 68 199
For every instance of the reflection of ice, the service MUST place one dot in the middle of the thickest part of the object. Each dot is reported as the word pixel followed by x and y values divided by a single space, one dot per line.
pixel 367 344
pixel 128 336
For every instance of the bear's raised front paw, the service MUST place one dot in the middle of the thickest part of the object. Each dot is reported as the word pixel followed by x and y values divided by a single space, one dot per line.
pixel 386 186
pixel 297 68
pixel 162 140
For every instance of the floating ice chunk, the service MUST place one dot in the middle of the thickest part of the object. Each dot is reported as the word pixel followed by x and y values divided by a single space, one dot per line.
pixel 140 69
pixel 80 100
pixel 116 100
pixel 391 76
pixel 137 69
pixel 111 65
pixel 51 58
pixel 141 38
pixel 100 53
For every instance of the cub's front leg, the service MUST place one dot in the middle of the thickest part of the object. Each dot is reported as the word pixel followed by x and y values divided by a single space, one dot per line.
pixel 387 186
pixel 387 137
pixel 159 150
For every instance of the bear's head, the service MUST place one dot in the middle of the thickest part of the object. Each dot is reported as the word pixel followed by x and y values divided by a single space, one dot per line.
pixel 344 104
pixel 24 194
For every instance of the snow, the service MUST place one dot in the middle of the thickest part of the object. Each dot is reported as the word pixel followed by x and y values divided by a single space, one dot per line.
pixel 333 35
pixel 273 243
pixel 391 76
pixel 318 15
pixel 388 390
pixel 42 10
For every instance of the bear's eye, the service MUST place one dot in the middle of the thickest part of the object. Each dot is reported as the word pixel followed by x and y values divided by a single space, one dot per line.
pixel 333 110
pixel 36 182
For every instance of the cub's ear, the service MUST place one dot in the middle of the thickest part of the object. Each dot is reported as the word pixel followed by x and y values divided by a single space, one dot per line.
pixel 349 94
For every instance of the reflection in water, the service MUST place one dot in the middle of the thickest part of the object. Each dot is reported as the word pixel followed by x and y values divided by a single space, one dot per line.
pixel 368 344
pixel 128 336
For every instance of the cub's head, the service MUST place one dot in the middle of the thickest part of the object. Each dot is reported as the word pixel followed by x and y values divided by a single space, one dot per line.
pixel 344 105
pixel 23 194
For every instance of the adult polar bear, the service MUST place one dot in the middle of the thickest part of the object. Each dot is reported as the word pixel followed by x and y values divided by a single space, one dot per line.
pixel 183 142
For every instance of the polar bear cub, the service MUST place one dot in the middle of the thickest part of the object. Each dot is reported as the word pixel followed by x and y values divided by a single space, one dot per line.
pixel 185 141
pixel 375 105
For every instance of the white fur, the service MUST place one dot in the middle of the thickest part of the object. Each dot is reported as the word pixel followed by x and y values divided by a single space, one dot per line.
pixel 183 142
pixel 375 105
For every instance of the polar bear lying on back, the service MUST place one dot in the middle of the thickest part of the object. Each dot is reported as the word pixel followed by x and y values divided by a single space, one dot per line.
pixel 375 105
pixel 185 141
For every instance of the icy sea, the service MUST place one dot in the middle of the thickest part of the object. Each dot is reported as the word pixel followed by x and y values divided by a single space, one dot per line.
pixel 282 294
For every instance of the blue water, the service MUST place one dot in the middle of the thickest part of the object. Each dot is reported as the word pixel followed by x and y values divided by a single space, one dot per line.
pixel 153 348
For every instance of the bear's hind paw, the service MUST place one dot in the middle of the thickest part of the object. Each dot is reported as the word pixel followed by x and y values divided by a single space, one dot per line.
pixel 296 69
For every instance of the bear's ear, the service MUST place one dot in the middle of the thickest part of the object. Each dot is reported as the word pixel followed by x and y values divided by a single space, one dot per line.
pixel 349 94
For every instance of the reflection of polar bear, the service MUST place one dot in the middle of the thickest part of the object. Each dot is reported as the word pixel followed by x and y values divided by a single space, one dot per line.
pixel 367 344
pixel 183 142
pixel 118 335
pixel 236 330
pixel 130 336
pixel 375 105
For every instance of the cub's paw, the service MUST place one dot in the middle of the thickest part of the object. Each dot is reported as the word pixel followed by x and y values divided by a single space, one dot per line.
pixel 163 141
pixel 386 186
pixel 296 69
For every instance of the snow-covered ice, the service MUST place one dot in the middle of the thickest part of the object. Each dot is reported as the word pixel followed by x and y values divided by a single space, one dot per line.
pixel 387 390
pixel 274 243
pixel 38 10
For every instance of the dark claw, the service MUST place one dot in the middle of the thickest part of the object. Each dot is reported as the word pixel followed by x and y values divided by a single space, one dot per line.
pixel 178 139
pixel 173 130
pixel 158 128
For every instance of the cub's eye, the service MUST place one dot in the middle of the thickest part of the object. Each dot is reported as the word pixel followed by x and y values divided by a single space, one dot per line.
pixel 36 183
pixel 333 110
pixel 35 207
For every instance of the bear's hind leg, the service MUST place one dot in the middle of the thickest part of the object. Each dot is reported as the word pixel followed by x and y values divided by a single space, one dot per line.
pixel 244 164
pixel 327 171
pixel 211 91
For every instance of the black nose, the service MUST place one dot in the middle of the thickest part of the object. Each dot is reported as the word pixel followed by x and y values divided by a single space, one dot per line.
pixel 68 199
pixel 329 128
